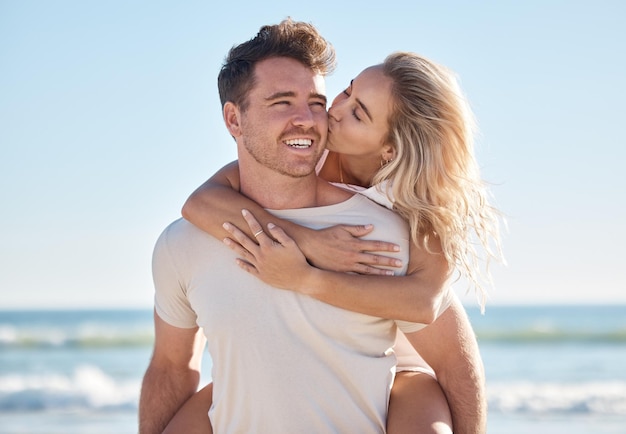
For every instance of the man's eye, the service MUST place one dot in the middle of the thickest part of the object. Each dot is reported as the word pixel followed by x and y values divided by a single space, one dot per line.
pixel 355 115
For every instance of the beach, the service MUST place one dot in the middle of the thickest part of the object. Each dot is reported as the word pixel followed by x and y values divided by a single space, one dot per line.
pixel 550 369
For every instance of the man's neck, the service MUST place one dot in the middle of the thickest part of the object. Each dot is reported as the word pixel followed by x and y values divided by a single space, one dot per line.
pixel 276 191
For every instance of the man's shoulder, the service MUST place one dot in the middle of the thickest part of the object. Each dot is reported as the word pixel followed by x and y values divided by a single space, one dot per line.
pixel 181 231
pixel 178 226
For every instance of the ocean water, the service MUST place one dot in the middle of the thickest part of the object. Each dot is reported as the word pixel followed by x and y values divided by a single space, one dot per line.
pixel 549 369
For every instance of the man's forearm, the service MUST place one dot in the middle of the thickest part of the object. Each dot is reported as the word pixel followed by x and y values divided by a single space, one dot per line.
pixel 449 346
pixel 465 392
pixel 462 375
pixel 162 394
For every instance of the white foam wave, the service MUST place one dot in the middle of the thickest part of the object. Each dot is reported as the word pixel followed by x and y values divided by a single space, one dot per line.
pixel 87 388
pixel 600 398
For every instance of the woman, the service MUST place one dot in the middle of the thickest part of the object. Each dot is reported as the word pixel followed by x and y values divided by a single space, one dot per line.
pixel 404 128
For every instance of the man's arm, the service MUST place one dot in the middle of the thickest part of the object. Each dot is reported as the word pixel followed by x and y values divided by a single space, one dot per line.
pixel 449 346
pixel 172 375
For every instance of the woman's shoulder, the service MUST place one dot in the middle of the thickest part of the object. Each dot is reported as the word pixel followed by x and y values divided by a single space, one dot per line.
pixel 379 193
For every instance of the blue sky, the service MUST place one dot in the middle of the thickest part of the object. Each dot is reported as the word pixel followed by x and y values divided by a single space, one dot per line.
pixel 109 118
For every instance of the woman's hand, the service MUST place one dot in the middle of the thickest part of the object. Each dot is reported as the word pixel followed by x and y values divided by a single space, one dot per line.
pixel 341 248
pixel 278 263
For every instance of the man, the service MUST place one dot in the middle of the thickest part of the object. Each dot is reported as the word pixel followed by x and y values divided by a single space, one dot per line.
pixel 338 362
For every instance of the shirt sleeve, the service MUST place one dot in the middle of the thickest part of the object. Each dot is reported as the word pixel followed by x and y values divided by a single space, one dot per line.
pixel 170 298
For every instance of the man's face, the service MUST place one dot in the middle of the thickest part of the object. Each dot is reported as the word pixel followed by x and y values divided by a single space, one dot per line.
pixel 285 125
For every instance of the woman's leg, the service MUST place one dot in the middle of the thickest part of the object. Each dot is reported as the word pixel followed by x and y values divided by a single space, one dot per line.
pixel 193 416
pixel 417 405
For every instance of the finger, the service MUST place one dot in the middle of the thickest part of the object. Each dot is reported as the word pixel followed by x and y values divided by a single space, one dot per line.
pixel 373 271
pixel 370 245
pixel 239 249
pixel 247 266
pixel 377 246
pixel 240 237
pixel 279 234
pixel 358 230
pixel 379 260
pixel 253 224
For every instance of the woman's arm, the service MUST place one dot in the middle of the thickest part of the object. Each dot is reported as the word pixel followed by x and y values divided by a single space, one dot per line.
pixel 338 248
pixel 193 416
pixel 415 297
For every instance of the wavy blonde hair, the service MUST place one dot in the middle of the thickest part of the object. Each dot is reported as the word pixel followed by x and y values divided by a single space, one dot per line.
pixel 434 177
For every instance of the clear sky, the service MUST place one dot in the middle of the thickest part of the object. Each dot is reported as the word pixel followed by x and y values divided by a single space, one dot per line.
pixel 109 118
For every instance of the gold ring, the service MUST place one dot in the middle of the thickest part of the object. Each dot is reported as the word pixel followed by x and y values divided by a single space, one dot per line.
pixel 258 233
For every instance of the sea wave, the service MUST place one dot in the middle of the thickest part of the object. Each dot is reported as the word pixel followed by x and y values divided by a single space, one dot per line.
pixel 87 388
pixel 593 398
pixel 539 335
pixel 13 338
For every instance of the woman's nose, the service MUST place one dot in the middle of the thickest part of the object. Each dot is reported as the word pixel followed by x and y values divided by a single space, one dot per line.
pixel 333 112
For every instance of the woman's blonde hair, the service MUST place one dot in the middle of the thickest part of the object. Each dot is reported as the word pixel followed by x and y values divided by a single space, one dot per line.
pixel 435 179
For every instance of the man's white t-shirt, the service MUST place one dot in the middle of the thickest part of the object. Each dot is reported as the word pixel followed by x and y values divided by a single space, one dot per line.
pixel 408 358
pixel 282 362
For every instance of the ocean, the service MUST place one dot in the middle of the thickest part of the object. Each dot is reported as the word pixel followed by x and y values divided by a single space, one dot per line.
pixel 550 369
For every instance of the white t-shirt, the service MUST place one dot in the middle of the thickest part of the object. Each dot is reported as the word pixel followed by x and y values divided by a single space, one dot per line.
pixel 408 358
pixel 282 362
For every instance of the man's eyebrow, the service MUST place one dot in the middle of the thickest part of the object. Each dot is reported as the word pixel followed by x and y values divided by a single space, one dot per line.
pixel 289 94
pixel 280 95
pixel 319 96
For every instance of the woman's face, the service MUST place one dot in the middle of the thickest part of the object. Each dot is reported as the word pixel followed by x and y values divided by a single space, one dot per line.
pixel 357 119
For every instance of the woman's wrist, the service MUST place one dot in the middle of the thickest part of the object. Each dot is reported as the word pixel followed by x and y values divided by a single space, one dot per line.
pixel 310 282
pixel 303 236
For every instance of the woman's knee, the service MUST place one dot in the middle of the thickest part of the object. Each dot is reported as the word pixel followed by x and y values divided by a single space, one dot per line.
pixel 418 405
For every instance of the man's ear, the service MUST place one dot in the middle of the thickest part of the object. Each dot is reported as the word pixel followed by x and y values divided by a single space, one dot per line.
pixel 232 119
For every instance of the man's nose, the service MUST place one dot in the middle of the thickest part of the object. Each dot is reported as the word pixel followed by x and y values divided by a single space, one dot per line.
pixel 304 116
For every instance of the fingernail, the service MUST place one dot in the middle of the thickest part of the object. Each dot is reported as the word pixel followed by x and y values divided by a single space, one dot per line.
pixel 226 225
pixel 389 273
pixel 244 212
pixel 396 248
pixel 271 225
pixel 397 263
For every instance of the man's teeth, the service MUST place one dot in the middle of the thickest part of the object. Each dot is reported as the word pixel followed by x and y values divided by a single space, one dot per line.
pixel 299 143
